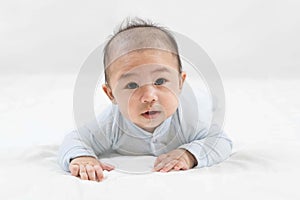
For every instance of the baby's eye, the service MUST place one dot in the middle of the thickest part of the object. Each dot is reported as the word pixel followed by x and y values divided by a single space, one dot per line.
pixel 160 81
pixel 132 85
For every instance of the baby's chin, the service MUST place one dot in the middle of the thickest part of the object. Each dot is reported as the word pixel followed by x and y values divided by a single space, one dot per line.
pixel 149 128
pixel 150 125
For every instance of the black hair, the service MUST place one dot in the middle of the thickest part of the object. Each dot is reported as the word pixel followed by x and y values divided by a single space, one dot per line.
pixel 136 22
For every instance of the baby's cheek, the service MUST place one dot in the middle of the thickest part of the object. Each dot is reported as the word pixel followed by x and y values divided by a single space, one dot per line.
pixel 123 104
pixel 170 103
pixel 166 94
pixel 132 107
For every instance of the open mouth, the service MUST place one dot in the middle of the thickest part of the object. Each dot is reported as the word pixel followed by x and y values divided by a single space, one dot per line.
pixel 151 114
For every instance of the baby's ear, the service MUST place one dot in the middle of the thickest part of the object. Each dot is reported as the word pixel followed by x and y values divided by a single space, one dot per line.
pixel 182 79
pixel 109 93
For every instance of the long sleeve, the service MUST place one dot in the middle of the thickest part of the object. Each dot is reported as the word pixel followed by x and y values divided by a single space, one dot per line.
pixel 214 148
pixel 89 140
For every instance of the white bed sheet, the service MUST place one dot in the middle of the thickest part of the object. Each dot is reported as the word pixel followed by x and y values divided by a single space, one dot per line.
pixel 262 118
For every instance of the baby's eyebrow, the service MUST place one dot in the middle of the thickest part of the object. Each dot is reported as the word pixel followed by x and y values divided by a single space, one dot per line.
pixel 129 74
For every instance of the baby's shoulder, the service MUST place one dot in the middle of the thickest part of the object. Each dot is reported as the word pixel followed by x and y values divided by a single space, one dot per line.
pixel 108 113
pixel 195 107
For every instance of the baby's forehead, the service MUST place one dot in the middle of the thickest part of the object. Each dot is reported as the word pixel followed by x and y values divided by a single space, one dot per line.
pixel 146 61
pixel 148 69
pixel 136 40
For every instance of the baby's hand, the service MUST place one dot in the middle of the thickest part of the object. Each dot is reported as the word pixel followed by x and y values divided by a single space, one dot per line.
pixel 178 159
pixel 88 168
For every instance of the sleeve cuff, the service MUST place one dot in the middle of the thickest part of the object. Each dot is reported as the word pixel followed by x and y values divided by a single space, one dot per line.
pixel 194 149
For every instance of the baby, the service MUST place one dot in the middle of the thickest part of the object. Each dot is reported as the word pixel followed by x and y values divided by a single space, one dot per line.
pixel 151 112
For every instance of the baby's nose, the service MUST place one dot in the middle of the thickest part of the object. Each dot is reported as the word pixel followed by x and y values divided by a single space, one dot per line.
pixel 148 94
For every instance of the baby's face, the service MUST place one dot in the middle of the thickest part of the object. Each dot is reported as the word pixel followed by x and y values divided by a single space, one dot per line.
pixel 146 85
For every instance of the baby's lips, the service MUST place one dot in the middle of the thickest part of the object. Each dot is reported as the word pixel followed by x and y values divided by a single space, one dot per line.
pixel 150 114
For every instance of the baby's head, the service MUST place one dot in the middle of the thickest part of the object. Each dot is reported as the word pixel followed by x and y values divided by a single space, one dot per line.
pixel 143 73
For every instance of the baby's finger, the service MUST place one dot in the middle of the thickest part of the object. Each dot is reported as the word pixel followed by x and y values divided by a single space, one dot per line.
pixel 82 173
pixel 164 162
pixel 181 165
pixel 99 172
pixel 158 167
pixel 90 172
pixel 106 166
pixel 74 169
pixel 169 166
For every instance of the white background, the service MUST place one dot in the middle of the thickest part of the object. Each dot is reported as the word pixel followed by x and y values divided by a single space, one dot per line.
pixel 253 38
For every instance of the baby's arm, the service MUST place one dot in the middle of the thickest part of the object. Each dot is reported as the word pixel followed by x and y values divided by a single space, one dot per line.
pixel 87 141
pixel 209 147
pixel 200 151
